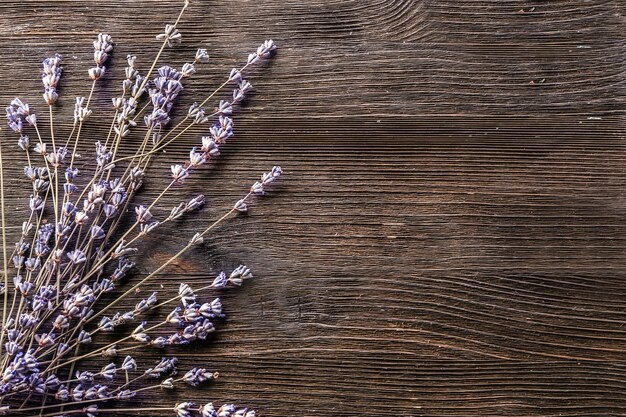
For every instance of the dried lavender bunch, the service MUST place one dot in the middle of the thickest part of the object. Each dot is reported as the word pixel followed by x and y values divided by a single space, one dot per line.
pixel 73 251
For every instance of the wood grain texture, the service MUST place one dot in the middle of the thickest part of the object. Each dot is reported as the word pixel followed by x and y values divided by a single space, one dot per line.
pixel 449 239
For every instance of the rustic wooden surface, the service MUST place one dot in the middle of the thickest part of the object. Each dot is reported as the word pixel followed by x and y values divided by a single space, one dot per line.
pixel 449 239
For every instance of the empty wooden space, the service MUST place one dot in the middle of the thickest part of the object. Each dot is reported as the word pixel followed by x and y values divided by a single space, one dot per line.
pixel 450 235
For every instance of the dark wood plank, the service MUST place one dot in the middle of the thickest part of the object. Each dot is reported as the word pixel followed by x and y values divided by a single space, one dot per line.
pixel 449 236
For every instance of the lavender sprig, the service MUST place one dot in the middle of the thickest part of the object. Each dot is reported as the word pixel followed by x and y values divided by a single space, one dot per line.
pixel 52 71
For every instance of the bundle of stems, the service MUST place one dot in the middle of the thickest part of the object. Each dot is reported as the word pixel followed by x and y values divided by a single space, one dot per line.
pixel 80 237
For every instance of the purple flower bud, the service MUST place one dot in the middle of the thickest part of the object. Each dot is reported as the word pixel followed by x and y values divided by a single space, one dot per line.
pixel 225 107
pixel 143 214
pixel 36 203
pixel 126 394
pixel 129 364
pixel 235 75
pixel 97 232
pixel 62 349
pixel 85 377
pixel 185 409
pixel 195 203
pixel 171 35
pixel 108 372
pixel 227 410
pixel 45 340
pixel 202 55
pixel 52 71
pixel 31 119
pixel 61 322
pixel 160 342
pixel 241 206
pixel 267 178
pixel 208 410
pixel 76 256
pixel 188 70
pixel 96 73
pixel 14 120
pixel 196 376
pixel 266 48
pixel 253 58
pixel 50 95
pixel 62 394
pixel 179 173
pixel 23 142
pixel 220 281
pixel 168 383
pixel 102 46
pixel 146 303
pixel 84 338
pixel 106 324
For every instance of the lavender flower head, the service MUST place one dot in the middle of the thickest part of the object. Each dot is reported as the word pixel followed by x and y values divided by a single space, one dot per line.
pixel 166 87
pixel 52 71
pixel 103 46
pixel 14 120
pixel 17 113
pixel 202 55
pixel 171 35
pixel 258 187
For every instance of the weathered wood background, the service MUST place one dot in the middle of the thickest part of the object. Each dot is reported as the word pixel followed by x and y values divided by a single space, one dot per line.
pixel 449 238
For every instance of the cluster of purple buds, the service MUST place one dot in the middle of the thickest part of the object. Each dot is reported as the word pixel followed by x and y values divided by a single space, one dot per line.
pixel 23 370
pixel 108 324
pixel 235 278
pixel 226 410
pixel 14 119
pixel 39 250
pixel 164 367
pixel 125 107
pixel 186 207
pixel 196 159
pixel 267 178
pixel 166 87
pixel 124 265
pixel 39 177
pixel 102 47
pixel 69 188
pixel 18 112
pixel 134 81
pixel 197 114
pixel 197 376
pixel 80 113
pixel 171 35
pixel 264 51
pixel 219 133
pixel 258 188
pixel 52 70
pixel 118 196
pixel 188 70
pixel 189 409
pixel 56 158
pixel 202 55
pixel 193 319
pixel 103 155
pixel 243 86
